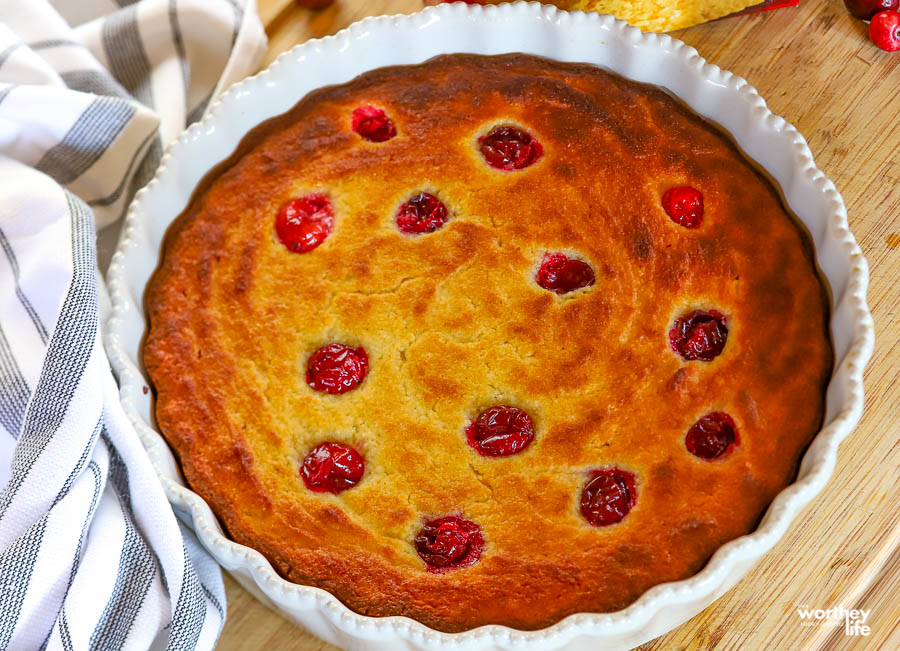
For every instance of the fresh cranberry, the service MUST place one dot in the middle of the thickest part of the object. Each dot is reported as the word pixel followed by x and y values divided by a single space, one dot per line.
pixel 884 30
pixel 424 213
pixel 449 543
pixel 303 224
pixel 373 124
pixel 562 275
pixel 500 431
pixel 865 9
pixel 608 496
pixel 337 368
pixel 711 436
pixel 332 468
pixel 684 206
pixel 699 336
pixel 314 4
pixel 509 148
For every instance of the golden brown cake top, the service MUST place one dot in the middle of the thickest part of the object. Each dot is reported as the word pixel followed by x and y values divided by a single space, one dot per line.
pixel 364 244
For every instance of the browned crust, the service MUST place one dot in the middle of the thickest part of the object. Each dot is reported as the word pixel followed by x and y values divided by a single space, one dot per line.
pixel 453 322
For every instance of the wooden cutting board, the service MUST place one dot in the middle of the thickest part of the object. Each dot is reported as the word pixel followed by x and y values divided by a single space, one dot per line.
pixel 816 67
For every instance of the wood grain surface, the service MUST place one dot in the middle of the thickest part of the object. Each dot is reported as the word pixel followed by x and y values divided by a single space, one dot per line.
pixel 816 67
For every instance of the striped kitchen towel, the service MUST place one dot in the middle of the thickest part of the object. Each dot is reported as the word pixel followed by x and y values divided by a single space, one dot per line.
pixel 91 554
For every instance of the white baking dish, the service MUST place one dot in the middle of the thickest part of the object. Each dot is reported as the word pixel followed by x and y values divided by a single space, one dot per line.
pixel 546 31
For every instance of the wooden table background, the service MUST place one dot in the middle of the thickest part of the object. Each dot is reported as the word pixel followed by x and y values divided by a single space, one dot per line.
pixel 816 67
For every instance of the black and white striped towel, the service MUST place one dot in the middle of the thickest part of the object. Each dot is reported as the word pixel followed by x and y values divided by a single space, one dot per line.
pixel 91 554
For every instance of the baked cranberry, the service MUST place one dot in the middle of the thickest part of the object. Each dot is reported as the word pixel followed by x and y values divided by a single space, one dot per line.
pixel 449 543
pixel 303 224
pixel 684 206
pixel 424 213
pixel 608 496
pixel 562 275
pixel 711 436
pixel 509 148
pixel 884 30
pixel 500 431
pixel 373 124
pixel 332 468
pixel 865 9
pixel 699 336
pixel 337 368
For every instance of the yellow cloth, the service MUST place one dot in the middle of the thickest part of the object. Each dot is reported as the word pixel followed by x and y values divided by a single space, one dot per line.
pixel 660 15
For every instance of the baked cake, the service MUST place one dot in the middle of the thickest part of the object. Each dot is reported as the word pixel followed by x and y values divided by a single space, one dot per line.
pixel 487 340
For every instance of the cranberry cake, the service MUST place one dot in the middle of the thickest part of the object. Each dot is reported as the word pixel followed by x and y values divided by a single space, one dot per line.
pixel 487 340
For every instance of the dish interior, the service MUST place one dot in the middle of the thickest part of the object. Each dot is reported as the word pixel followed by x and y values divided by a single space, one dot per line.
pixel 507 354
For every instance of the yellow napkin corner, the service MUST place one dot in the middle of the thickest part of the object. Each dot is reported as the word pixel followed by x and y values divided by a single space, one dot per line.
pixel 661 15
